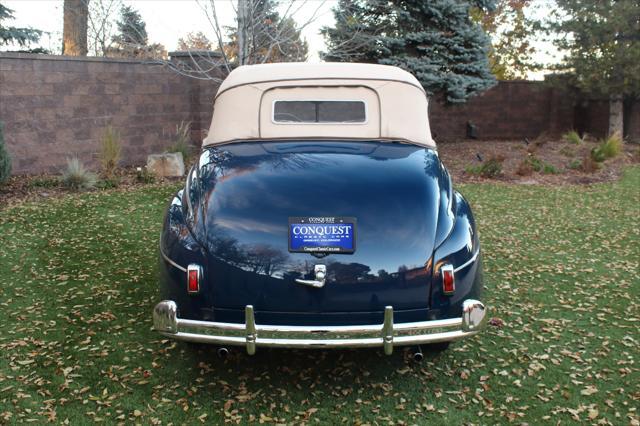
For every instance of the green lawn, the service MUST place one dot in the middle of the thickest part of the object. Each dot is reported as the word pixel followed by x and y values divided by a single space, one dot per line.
pixel 77 286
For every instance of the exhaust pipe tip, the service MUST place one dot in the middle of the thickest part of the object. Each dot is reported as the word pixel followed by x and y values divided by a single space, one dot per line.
pixel 223 353
pixel 417 355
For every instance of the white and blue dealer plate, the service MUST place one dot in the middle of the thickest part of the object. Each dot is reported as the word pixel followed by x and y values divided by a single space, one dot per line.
pixel 322 234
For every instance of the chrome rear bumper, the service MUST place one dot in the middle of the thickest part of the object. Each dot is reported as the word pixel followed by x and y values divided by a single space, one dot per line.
pixel 387 334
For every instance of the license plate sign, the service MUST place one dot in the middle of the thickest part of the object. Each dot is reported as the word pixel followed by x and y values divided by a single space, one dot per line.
pixel 321 234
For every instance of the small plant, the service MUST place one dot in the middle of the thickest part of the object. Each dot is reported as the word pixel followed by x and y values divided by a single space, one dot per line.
pixel 524 168
pixel 542 139
pixel 609 148
pixel 76 177
pixel 489 169
pixel 183 139
pixel 5 160
pixel 144 175
pixel 575 164
pixel 110 152
pixel 44 182
pixel 573 137
pixel 549 169
pixel 536 163
pixel 567 151
pixel 589 165
pixel 108 183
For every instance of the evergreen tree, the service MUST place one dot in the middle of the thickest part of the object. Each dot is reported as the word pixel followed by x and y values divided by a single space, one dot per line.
pixel 5 160
pixel 602 41
pixel 22 36
pixel 131 28
pixel 132 39
pixel 436 41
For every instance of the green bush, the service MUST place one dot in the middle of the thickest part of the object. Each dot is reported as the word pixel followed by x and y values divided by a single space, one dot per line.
pixel 549 169
pixel 575 164
pixel 108 183
pixel 608 148
pixel 182 142
pixel 110 152
pixel 489 169
pixel 573 137
pixel 5 160
pixel 76 177
pixel 44 182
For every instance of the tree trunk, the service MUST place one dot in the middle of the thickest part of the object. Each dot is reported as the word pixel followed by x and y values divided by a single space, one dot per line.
pixel 244 18
pixel 74 38
pixel 616 116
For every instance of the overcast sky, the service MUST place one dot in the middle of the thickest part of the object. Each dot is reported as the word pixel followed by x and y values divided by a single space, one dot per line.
pixel 167 20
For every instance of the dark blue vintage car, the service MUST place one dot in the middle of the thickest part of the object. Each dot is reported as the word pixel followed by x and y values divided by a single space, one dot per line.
pixel 319 216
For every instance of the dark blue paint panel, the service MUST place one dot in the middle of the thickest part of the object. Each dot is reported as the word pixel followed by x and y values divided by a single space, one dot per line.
pixel 243 196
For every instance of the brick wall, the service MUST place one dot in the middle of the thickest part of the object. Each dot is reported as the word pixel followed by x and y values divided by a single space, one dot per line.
pixel 54 107
pixel 510 110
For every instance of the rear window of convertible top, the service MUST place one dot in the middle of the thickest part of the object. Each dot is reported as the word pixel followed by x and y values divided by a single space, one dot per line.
pixel 319 112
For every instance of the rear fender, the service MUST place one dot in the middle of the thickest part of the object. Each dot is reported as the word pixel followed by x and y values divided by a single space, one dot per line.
pixel 461 248
pixel 178 249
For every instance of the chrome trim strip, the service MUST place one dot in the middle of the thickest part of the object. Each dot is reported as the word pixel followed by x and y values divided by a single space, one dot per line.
pixel 171 262
pixel 386 335
pixel 468 262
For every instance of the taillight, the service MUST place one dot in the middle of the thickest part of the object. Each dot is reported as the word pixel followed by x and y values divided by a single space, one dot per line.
pixel 194 275
pixel 448 279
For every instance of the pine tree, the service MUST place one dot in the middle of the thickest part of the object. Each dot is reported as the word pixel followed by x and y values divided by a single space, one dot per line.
pixel 131 28
pixel 5 160
pixel 436 41
pixel 22 36
pixel 132 39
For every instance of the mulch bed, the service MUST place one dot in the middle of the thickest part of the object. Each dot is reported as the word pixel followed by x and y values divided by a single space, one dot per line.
pixel 458 157
pixel 37 187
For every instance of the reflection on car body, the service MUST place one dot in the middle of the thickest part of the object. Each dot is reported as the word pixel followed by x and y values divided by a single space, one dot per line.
pixel 296 145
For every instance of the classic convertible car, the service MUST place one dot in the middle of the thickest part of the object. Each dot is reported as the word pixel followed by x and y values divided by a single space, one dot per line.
pixel 319 216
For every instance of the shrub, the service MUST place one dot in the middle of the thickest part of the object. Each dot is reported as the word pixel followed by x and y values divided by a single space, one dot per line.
pixel 575 164
pixel 183 140
pixel 589 165
pixel 108 183
pixel 489 169
pixel 573 137
pixel 534 164
pixel 549 169
pixel 5 160
pixel 612 146
pixel 597 155
pixel 524 168
pixel 144 175
pixel 44 182
pixel 541 139
pixel 76 177
pixel 110 152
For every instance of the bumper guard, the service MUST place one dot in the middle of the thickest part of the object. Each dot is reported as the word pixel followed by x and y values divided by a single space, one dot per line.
pixel 387 334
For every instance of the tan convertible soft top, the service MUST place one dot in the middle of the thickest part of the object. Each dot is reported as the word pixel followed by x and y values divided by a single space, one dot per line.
pixel 393 103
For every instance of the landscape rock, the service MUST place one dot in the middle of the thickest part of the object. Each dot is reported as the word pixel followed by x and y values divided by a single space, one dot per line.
pixel 166 165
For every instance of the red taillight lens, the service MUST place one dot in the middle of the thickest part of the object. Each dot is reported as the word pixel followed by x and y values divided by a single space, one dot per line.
pixel 448 279
pixel 194 273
